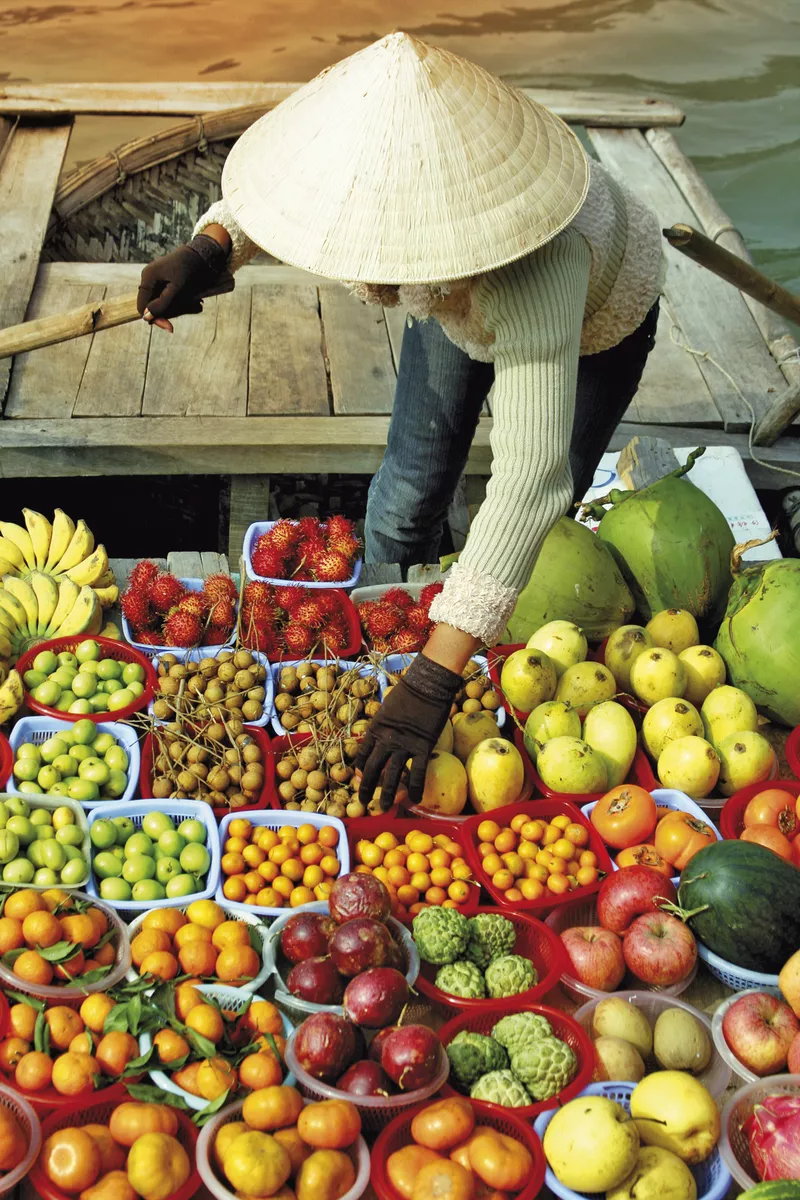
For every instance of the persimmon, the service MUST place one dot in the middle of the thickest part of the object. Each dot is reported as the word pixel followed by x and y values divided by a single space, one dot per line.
pixel 443 1180
pixel 775 807
pixel 273 1108
pixel 680 836
pixel 644 856
pixel 443 1125
pixel 626 816
pixel 500 1161
pixel 771 838
pixel 329 1124
pixel 132 1119
pixel 71 1160
pixel 405 1164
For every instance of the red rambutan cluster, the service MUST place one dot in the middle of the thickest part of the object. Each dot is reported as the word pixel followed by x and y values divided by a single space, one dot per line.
pixel 308 549
pixel 162 612
pixel 292 621
pixel 397 624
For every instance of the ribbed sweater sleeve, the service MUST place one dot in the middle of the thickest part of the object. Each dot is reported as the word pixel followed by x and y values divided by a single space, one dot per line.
pixel 534 309
pixel 242 249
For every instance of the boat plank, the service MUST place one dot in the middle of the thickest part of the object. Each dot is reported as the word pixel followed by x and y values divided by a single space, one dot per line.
pixel 360 357
pixel 186 564
pixel 672 390
pixel 287 369
pixel 711 315
pixel 212 563
pixel 249 276
pixel 113 381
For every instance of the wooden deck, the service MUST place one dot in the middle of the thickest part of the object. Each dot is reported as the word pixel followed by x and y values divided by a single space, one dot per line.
pixel 290 373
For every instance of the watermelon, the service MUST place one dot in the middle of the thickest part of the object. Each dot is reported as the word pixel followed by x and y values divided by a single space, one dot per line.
pixel 778 1189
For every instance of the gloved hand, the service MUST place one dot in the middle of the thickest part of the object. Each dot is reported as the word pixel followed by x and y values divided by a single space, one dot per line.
pixel 170 285
pixel 408 726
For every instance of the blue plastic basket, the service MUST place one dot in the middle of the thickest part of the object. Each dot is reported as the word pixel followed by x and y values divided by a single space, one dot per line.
pixel 276 819
pixel 191 585
pixel 344 664
pixel 393 663
pixel 712 1176
pixel 252 535
pixel 738 978
pixel 179 810
pixel 39 729
pixel 199 652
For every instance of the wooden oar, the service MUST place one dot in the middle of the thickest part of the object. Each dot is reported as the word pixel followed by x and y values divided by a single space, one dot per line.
pixel 90 318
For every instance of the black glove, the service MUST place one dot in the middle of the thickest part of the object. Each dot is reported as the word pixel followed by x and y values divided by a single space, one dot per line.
pixel 170 285
pixel 408 725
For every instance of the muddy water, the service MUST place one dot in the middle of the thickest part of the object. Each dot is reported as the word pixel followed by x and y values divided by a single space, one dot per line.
pixel 733 65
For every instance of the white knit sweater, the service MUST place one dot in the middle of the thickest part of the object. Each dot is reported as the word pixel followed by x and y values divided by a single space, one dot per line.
pixel 580 294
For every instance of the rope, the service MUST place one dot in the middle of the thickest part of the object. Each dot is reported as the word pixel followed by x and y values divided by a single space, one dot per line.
pixel 706 357
pixel 202 141
pixel 122 174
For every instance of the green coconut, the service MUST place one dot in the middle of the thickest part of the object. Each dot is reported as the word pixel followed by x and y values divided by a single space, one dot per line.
pixel 672 544
pixel 759 638
pixel 575 579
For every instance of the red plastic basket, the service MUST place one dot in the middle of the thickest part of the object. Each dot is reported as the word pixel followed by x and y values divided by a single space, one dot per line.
pixel 416 812
pixel 120 651
pixel 6 760
pixel 641 773
pixel 4 1009
pixel 268 795
pixel 295 742
pixel 354 639
pixel 534 941
pixel 397 1134
pixel 539 810
pixel 731 822
pixel 98 1112
pixel 370 827
pixel 564 1028
pixel 48 1100
pixel 793 752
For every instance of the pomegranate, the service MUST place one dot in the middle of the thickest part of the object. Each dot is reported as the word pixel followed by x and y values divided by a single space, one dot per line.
pixel 306 935
pixel 317 981
pixel 773 1134
pixel 360 944
pixel 376 1045
pixel 410 1056
pixel 356 895
pixel 376 998
pixel 325 1043
pixel 630 892
pixel 365 1078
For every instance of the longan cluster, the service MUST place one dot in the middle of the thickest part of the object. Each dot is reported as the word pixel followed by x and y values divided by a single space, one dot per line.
pixel 224 771
pixel 321 778
pixel 326 699
pixel 227 687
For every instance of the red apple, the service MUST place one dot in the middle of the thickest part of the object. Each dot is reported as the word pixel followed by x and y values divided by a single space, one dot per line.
pixel 793 1061
pixel 626 894
pixel 596 956
pixel 659 949
pixel 761 1030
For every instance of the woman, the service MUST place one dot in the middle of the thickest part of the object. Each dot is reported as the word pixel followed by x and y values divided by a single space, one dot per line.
pixel 419 179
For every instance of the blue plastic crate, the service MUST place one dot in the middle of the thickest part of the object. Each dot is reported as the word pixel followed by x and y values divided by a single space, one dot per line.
pixel 252 535
pixel 39 729
pixel 737 978
pixel 199 652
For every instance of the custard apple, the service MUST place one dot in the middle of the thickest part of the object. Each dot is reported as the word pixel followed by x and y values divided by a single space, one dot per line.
pixel 545 1067
pixel 441 934
pixel 461 979
pixel 515 1031
pixel 473 1055
pixel 510 975
pixel 490 937
pixel 501 1087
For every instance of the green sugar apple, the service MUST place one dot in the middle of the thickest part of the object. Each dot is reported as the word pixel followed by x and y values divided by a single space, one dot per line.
pixel 490 937
pixel 515 1031
pixel 501 1087
pixel 441 934
pixel 461 979
pixel 510 975
pixel 545 1067
pixel 473 1055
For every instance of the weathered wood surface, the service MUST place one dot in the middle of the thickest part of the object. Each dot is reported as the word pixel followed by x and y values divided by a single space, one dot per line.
pixel 287 367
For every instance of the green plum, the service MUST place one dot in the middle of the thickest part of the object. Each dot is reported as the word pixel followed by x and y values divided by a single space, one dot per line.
pixel 18 806
pixel 107 866
pixel 120 699
pixel 74 872
pixel 182 885
pixel 48 693
pixel 89 668
pixel 80 752
pixel 64 677
pixel 45 877
pixel 102 833
pixel 140 866
pixel 84 685
pixel 65 659
pixel 53 854
pixel 193 830
pixel 115 889
pixel 109 668
pixel 155 823
pixel 41 816
pixel 116 785
pixel 43 833
pixel 69 835
pixel 103 743
pixel 84 732
pixel 88 650
pixel 22 827
pixel 110 686
pixel 139 843
pixel 94 769
pixel 65 702
pixel 52 748
pixel 46 662
pixel 133 673
pixel 82 790
pixel 47 777
pixel 148 889
pixel 21 870
pixel 36 853
pixel 99 702
pixel 171 843
pixel 30 787
pixel 116 758
pixel 28 750
pixel 32 679
pixel 4 814
pixel 166 869
pixel 26 768
pixel 195 859
pixel 9 846
pixel 66 765
pixel 125 829
pixel 80 708
pixel 136 689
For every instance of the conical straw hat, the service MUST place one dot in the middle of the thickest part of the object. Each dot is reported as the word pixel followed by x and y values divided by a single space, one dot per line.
pixel 405 164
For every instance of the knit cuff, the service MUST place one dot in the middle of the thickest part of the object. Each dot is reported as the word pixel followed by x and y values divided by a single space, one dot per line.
pixel 474 602
pixel 242 249
pixel 431 680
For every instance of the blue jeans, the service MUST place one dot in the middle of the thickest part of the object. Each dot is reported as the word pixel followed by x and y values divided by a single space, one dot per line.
pixel 439 395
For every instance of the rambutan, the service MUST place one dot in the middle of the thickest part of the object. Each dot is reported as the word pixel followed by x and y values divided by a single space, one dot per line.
pixel 136 609
pixel 338 525
pixel 288 598
pixel 335 639
pixel 407 641
pixel 165 592
pixel 308 557
pixel 417 617
pixel 182 629
pixel 308 527
pixel 147 637
pixel 257 590
pixel 142 574
pixel 429 594
pixel 259 614
pixel 222 614
pixel 329 603
pixel 384 620
pixel 332 567
pixel 399 597
pixel 268 561
pixel 308 613
pixel 194 603
pixel 220 587
pixel 344 543
pixel 298 638
pixel 382 646
pixel 215 635
pixel 283 536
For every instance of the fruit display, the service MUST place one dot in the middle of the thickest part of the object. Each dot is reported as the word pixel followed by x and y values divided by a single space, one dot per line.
pixel 200 942
pixel 227 688
pixel 630 1043
pixel 421 869
pixel 770 819
pixel 534 857
pixel 42 846
pixel 665 839
pixel 279 867
pixel 328 761
pixel 222 764
pixel 291 622
pixel 53 938
pixel 81 761
pixel 519 1063
pixel 84 681
pixel 162 611
pixel 273 1145
pixel 762 1033
pixel 326 697
pixel 475 955
pixel 332 1049
pixel 308 549
pixel 160 859
pixel 578 746
pixel 397 622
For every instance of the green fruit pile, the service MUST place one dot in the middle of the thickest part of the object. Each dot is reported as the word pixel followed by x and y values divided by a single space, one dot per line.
pixel 157 862
pixel 79 762
pixel 40 845
pixel 84 682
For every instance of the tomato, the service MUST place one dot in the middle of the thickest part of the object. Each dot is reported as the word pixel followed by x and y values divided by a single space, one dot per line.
pixel 500 1161
pixel 769 837
pixel 443 1125
pixel 644 856
pixel 680 836
pixel 626 816
pixel 443 1180
pixel 404 1165
pixel 773 807
pixel 329 1124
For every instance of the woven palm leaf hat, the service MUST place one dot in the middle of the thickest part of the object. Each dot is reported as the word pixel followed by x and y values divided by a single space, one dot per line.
pixel 404 164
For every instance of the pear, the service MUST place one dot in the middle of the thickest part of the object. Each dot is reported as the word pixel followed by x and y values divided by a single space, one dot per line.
pixel 691 765
pixel 591 1144
pixel 728 710
pixel 680 1042
pixel 563 643
pixel 658 1175
pixel 656 675
pixel 445 790
pixel 585 685
pixel 745 758
pixel 528 677
pixel 667 720
pixel 617 1018
pixel 567 764
pixel 622 649
pixel 554 718
pixel 445 741
pixel 673 1110
pixel 469 729
pixel 495 774
pixel 705 670
pixel 610 731
pixel 673 629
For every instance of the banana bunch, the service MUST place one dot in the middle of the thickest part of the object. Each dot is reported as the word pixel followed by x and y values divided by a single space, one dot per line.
pixel 12 693
pixel 37 608
pixel 61 550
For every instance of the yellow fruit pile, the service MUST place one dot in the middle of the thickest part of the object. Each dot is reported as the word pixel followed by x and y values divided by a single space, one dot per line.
pixel 532 856
pixel 274 868
pixel 422 870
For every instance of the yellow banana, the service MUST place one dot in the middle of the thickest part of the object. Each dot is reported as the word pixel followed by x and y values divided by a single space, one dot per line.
pixel 80 547
pixel 6 648
pixel 96 623
pixel 107 595
pixel 6 567
pixel 11 551
pixel 84 611
pixel 90 569
pixel 46 591
pixel 106 580
pixel 110 630
pixel 41 531
pixel 60 538
pixel 12 694
pixel 7 622
pixel 21 539
pixel 68 593
pixel 23 592
pixel 12 606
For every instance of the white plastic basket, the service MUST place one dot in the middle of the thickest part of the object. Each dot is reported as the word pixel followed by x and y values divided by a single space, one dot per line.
pixel 366 670
pixel 248 917
pixel 211 652
pixel 716 1076
pixel 376 591
pixel 273 818
pixel 738 978
pixel 232 1000
pixel 393 663
pixel 252 535
pixel 723 1049
pixel 51 803
pixel 233 1112
pixel 191 585
pixel 305 1008
pixel 39 729
pixel 29 1123
pixel 584 912
pixel 733 1143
